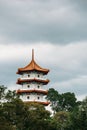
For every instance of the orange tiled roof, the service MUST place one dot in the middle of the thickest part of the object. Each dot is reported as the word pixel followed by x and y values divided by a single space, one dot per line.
pixel 20 81
pixel 31 91
pixel 32 66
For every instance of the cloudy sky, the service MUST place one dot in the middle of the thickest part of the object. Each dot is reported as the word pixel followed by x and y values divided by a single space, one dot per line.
pixel 57 30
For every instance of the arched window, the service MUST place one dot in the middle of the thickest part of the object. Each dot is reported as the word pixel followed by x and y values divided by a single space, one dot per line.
pixel 28 75
pixel 28 97
pixel 38 98
pixel 28 86
pixel 38 75
pixel 38 86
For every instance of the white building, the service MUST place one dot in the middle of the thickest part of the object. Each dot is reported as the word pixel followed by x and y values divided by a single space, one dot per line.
pixel 32 83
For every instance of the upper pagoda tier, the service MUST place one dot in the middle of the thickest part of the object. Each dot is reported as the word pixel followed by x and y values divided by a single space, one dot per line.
pixel 32 66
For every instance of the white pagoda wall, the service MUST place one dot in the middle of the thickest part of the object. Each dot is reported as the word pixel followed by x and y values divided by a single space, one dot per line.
pixel 32 75
pixel 32 96
pixel 31 86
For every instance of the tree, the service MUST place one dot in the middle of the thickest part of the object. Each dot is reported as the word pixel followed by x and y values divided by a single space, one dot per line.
pixel 62 102
pixel 79 116
pixel 54 97
pixel 38 116
pixel 68 101
pixel 7 95
pixel 22 116
pixel 75 120
pixel 10 95
pixel 83 114
pixel 4 123
pixel 2 92
pixel 63 120
pixel 17 115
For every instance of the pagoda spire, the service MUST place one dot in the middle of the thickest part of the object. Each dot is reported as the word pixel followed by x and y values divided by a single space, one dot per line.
pixel 33 54
pixel 32 66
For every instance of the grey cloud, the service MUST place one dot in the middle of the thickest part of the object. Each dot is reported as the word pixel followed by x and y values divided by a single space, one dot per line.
pixel 76 85
pixel 49 22
pixel 52 21
pixel 7 72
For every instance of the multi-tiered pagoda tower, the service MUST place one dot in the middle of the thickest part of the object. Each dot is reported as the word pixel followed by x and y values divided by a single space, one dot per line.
pixel 32 83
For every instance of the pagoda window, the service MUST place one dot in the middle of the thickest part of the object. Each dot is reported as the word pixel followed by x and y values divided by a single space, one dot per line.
pixel 28 97
pixel 38 75
pixel 28 86
pixel 38 98
pixel 38 86
pixel 28 75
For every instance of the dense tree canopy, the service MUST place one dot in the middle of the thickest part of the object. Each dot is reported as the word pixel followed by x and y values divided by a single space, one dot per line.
pixel 62 102
pixel 68 113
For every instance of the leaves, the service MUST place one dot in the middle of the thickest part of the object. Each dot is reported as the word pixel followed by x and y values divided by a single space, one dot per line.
pixel 17 115
pixel 2 92
pixel 62 102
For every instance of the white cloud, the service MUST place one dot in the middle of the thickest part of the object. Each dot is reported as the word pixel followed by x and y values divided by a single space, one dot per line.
pixel 68 57
pixel 77 85
pixel 74 82
pixel 66 60
pixel 81 97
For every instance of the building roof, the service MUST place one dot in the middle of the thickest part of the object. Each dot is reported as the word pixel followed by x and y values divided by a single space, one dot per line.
pixel 33 91
pixel 32 66
pixel 20 81
pixel 39 102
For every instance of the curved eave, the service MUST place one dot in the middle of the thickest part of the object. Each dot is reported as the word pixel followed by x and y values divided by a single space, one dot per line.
pixel 42 103
pixel 21 81
pixel 32 91
pixel 33 66
pixel 21 71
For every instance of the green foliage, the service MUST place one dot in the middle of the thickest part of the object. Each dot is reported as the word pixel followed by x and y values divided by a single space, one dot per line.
pixel 62 102
pixel 54 97
pixel 17 115
pixel 2 92
pixel 83 114
pixel 68 101
pixel 11 95
pixel 7 95
pixel 63 119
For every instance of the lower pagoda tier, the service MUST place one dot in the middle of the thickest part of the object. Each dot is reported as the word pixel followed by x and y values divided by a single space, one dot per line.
pixel 42 103
pixel 38 96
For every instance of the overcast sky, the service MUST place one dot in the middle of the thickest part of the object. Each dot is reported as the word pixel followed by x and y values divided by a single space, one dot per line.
pixel 56 30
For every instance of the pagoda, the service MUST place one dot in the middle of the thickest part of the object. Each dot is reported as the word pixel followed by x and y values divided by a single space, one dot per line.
pixel 32 83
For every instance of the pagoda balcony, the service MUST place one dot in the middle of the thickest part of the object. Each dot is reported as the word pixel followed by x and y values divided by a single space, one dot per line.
pixel 32 77
pixel 40 91
pixel 46 103
pixel 29 80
